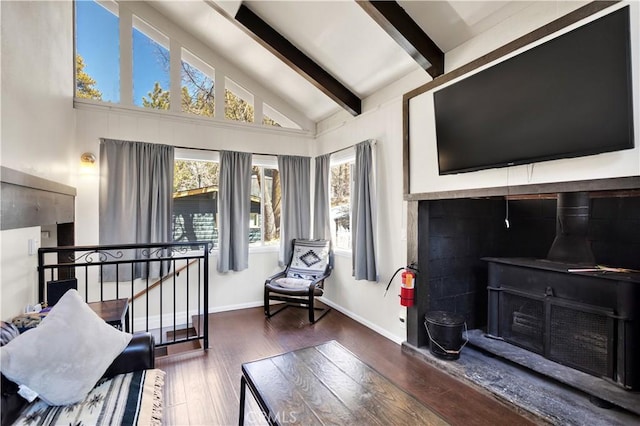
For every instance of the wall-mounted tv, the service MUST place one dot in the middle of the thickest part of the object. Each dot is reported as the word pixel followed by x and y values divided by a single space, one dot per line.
pixel 568 97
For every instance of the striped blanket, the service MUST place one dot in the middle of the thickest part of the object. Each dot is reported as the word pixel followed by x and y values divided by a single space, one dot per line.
pixel 127 399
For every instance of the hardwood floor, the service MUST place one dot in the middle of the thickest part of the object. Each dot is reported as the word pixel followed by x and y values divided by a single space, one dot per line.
pixel 202 388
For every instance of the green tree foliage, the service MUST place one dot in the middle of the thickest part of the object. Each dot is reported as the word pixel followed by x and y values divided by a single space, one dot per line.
pixel 268 121
pixel 236 108
pixel 158 98
pixel 85 83
pixel 193 174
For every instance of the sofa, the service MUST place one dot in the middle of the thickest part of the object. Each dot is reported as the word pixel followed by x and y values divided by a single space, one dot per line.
pixel 138 355
pixel 74 368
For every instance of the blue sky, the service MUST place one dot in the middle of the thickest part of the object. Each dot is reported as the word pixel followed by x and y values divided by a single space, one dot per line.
pixel 97 41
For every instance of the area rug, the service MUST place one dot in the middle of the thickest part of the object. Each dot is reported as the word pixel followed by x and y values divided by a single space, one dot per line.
pixel 127 399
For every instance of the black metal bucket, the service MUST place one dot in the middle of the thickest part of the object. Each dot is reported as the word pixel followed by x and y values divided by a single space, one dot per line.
pixel 445 333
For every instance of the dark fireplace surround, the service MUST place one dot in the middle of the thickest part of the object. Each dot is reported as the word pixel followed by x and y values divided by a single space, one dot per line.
pixel 456 236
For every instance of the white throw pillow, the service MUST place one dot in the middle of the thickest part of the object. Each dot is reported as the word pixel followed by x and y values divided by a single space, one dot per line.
pixel 63 358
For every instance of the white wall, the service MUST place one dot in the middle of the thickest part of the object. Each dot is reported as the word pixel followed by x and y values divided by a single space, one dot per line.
pixel 424 163
pixel 365 300
pixel 18 274
pixel 37 122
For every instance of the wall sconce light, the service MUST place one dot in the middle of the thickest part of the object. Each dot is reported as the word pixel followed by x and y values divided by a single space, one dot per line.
pixel 87 158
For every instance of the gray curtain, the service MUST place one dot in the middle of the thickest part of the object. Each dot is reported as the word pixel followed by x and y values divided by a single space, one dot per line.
pixel 295 219
pixel 363 215
pixel 321 207
pixel 136 199
pixel 234 208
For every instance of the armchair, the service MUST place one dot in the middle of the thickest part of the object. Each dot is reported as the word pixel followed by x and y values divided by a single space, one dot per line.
pixel 302 280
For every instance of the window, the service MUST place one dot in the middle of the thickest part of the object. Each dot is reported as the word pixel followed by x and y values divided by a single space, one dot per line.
pixel 273 117
pixel 238 102
pixel 150 66
pixel 195 197
pixel 97 71
pixel 97 51
pixel 265 202
pixel 198 89
pixel 341 184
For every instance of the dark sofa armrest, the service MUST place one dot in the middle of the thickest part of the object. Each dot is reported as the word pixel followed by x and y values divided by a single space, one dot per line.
pixel 138 355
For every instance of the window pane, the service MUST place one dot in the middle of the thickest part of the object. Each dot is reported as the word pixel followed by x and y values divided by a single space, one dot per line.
pixel 265 206
pixel 197 85
pixel 341 205
pixel 195 201
pixel 97 51
pixel 150 66
pixel 238 103
pixel 268 121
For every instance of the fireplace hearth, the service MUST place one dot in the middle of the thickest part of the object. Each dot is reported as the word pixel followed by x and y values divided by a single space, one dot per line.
pixel 455 231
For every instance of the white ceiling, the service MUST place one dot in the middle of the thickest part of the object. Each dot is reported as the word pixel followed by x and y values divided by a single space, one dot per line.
pixel 337 35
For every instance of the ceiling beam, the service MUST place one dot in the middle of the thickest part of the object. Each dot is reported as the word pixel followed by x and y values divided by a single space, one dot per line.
pixel 404 30
pixel 269 38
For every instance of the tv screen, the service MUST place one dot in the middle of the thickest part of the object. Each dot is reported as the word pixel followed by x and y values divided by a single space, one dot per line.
pixel 568 97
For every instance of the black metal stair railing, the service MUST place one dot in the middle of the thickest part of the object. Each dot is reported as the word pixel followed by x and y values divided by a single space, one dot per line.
pixel 166 285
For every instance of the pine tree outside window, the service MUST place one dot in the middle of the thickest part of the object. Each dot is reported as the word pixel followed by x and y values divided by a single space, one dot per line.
pixel 150 71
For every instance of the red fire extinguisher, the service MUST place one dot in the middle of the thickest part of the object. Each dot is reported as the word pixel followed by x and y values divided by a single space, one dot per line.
pixel 407 288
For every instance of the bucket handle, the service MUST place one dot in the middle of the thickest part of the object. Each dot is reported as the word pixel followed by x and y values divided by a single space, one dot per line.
pixel 449 351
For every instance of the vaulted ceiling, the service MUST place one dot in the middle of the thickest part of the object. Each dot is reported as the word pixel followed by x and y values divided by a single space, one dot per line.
pixel 324 56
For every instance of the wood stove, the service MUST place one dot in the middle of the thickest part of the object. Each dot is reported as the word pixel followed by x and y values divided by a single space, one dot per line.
pixel 564 307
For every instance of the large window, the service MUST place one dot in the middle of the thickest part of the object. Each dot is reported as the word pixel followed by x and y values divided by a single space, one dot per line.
pixel 341 183
pixel 195 198
pixel 97 51
pixel 150 66
pixel 265 202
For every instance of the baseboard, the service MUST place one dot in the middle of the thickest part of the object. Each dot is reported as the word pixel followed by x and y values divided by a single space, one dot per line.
pixel 181 318
pixel 381 331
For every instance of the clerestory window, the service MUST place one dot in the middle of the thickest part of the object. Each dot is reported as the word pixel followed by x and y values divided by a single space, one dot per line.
pixel 99 51
pixel 150 66
pixel 97 56
pixel 197 85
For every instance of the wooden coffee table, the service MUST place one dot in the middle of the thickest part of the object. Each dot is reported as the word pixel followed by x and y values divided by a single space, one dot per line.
pixel 327 384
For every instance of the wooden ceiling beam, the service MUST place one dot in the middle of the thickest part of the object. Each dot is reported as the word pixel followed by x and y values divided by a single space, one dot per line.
pixel 404 30
pixel 273 41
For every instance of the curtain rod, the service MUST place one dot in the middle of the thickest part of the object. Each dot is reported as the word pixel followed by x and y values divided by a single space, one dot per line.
pixel 373 142
pixel 218 150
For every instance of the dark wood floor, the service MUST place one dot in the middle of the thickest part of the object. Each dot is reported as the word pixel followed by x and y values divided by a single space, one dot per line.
pixel 202 388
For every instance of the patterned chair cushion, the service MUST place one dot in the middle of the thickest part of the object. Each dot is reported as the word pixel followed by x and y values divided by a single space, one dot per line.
pixel 293 282
pixel 310 259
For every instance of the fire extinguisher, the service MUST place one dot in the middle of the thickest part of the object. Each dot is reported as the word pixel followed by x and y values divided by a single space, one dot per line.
pixel 407 287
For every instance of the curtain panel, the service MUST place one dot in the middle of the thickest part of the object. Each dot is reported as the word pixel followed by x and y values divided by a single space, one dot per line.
pixel 234 203
pixel 363 215
pixel 321 206
pixel 135 199
pixel 295 219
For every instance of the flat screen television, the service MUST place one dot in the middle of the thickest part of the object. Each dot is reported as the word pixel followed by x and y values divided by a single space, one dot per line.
pixel 570 96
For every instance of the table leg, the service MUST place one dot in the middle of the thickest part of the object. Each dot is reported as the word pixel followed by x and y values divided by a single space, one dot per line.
pixel 243 392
